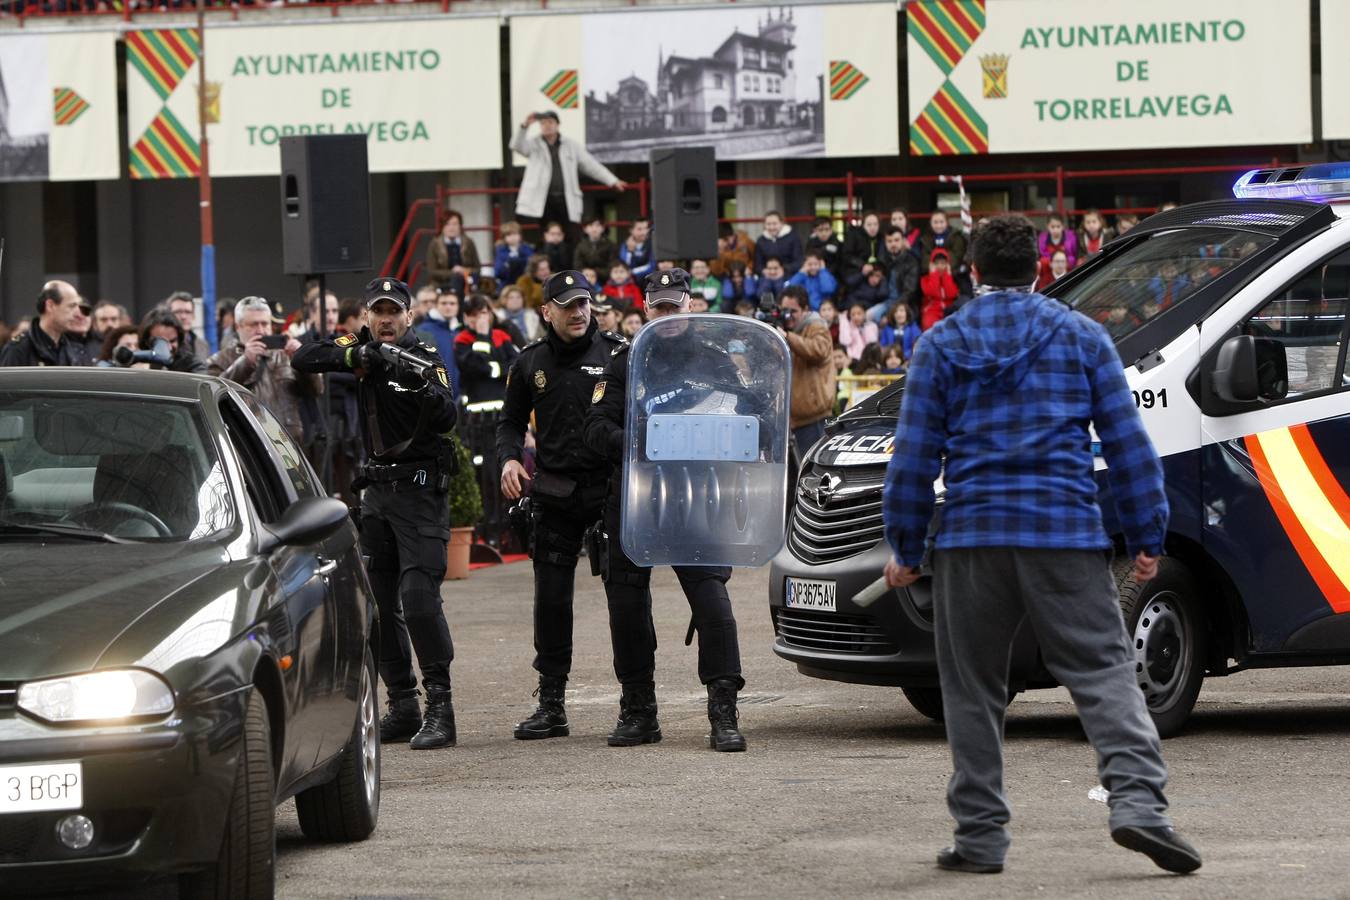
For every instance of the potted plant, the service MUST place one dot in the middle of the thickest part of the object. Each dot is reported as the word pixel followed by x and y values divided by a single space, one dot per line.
pixel 466 508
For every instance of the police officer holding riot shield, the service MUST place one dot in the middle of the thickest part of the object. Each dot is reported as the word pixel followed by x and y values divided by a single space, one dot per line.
pixel 406 408
pixel 627 584
pixel 554 378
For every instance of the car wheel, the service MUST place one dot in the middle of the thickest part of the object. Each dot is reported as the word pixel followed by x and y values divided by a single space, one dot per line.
pixel 927 700
pixel 1167 637
pixel 245 867
pixel 347 807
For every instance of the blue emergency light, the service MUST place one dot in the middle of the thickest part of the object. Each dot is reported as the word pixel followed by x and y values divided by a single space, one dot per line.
pixel 1321 183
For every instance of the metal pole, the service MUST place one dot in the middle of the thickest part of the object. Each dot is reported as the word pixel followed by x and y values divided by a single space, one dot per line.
pixel 204 189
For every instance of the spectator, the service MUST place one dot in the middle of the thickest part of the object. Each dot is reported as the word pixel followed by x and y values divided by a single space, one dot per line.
pixel 109 316
pixel 47 340
pixel 512 254
pixel 1169 285
pixel 902 270
pixel 452 257
pixel 817 280
pixel 942 235
pixel 555 247
pixel 268 373
pixel 224 319
pixel 82 332
pixel 352 314
pixel 531 284
pixel 511 309
pixel 702 284
pixel 868 362
pixel 424 301
pixel 856 332
pixel 824 242
pixel 913 237
pixel 1093 234
pixel 550 190
pixel 1124 222
pixel 900 330
pixel 621 288
pixel 183 307
pixel 636 251
pixel 440 325
pixel 120 336
pixel 829 313
pixel 164 326
pixel 591 278
pixel 772 279
pixel 778 240
pixel 1052 269
pixel 484 355
pixel 739 286
pixel 862 246
pixel 698 303
pixel 813 377
pixel 891 362
pixel 632 323
pixel 873 291
pixel 744 308
pixel 938 289
pixel 1057 237
pixel 608 317
pixel 733 246
pixel 665 265
pixel 595 250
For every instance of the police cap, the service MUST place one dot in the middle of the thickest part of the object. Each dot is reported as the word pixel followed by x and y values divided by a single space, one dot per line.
pixel 388 289
pixel 669 287
pixel 567 287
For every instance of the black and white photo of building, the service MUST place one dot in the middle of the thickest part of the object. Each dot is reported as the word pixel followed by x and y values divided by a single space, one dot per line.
pixel 23 136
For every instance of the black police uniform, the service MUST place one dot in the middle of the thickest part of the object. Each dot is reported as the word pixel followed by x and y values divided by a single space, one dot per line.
pixel 555 379
pixel 405 516
pixel 36 348
pixel 632 631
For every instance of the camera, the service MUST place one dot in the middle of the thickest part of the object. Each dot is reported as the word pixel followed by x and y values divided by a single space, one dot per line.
pixel 158 356
pixel 769 312
pixel 275 341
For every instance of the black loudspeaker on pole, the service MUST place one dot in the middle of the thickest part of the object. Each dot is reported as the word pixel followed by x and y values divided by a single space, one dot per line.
pixel 684 203
pixel 325 204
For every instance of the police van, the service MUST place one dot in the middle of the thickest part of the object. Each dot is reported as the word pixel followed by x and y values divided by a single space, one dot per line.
pixel 1231 320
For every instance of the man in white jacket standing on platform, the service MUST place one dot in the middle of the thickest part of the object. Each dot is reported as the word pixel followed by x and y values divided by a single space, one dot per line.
pixel 551 189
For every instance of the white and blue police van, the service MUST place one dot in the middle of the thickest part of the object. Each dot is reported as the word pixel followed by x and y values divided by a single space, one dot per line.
pixel 1231 320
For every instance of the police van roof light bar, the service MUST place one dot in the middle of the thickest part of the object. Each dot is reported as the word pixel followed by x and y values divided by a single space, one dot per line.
pixel 1323 183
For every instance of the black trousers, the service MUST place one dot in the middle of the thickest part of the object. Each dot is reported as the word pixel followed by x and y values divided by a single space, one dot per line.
pixel 404 531
pixel 559 526
pixel 555 210
pixel 628 592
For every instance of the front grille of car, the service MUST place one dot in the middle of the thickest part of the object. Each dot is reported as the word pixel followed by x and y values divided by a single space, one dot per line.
pixel 813 630
pixel 17 834
pixel 839 523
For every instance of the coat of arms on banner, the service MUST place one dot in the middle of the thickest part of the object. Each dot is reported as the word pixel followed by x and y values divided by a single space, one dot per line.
pixel 995 66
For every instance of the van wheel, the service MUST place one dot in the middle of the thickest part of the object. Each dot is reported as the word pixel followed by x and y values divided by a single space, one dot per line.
pixel 245 867
pixel 1167 636
pixel 927 700
pixel 346 808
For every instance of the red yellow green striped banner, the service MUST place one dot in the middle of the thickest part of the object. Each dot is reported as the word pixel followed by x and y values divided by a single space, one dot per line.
pixel 67 106
pixel 948 125
pixel 564 89
pixel 945 29
pixel 166 150
pixel 846 79
pixel 163 56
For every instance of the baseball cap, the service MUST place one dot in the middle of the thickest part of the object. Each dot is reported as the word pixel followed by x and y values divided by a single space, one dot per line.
pixel 668 287
pixel 547 114
pixel 388 289
pixel 567 287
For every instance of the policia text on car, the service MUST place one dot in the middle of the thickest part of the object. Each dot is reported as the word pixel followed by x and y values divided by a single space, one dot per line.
pixel 406 409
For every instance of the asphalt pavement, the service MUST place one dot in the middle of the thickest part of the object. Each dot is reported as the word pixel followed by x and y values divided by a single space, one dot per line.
pixel 840 795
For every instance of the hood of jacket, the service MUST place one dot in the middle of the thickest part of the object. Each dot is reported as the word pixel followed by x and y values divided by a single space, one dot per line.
pixel 997 338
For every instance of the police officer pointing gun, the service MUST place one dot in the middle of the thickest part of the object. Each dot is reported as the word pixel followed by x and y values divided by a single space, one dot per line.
pixel 554 378
pixel 406 408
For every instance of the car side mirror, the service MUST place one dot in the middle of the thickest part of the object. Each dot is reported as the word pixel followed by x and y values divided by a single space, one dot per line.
pixel 307 521
pixel 1235 376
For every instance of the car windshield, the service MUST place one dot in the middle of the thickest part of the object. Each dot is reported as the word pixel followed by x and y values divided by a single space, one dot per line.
pixel 1127 290
pixel 97 466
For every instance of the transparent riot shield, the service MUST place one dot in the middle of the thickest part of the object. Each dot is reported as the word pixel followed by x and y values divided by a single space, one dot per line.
pixel 705 471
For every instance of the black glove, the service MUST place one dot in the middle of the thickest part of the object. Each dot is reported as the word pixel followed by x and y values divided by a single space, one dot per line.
pixel 411 378
pixel 368 358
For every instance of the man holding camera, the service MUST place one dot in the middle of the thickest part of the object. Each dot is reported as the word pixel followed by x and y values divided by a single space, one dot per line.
pixel 554 379
pixel 814 381
pixel 550 191
pixel 261 361
pixel 406 406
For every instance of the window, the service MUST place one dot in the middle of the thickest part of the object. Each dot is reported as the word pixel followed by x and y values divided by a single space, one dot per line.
pixel 1301 333
pixel 756 78
pixel 745 82
pixel 775 61
pixel 719 115
pixel 718 82
pixel 752 56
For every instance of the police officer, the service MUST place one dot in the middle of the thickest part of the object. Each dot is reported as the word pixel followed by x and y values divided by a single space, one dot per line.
pixel 627 584
pixel 555 378
pixel 405 518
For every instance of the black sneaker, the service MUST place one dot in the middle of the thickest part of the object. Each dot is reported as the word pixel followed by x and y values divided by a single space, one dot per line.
pixel 1160 843
pixel 948 858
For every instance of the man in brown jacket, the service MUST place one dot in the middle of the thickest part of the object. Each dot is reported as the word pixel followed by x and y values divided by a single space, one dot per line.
pixel 813 377
pixel 247 360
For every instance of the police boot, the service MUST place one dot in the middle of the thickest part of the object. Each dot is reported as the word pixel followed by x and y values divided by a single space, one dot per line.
pixel 438 726
pixel 402 719
pixel 725 736
pixel 637 717
pixel 550 719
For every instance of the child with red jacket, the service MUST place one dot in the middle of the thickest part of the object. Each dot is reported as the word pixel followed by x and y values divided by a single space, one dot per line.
pixel 938 289
pixel 621 288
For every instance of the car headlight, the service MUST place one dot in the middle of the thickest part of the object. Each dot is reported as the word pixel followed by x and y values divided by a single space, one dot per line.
pixel 110 694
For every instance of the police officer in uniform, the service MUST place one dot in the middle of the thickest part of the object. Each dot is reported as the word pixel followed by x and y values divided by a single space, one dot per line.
pixel 405 517
pixel 555 378
pixel 627 584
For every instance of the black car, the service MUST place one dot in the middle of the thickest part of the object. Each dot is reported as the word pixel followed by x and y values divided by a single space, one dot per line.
pixel 185 628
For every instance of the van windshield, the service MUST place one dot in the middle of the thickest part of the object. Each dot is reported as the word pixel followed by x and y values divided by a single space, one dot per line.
pixel 1161 272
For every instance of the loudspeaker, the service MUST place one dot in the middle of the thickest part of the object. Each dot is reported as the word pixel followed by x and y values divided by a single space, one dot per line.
pixel 325 204
pixel 684 203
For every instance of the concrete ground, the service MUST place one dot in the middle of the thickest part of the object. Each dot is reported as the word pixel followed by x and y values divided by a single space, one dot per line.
pixel 840 795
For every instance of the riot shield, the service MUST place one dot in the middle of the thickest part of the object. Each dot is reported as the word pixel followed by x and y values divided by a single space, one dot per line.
pixel 705 470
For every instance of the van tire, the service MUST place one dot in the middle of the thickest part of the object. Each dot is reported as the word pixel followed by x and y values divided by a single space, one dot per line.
pixel 1166 631
pixel 927 700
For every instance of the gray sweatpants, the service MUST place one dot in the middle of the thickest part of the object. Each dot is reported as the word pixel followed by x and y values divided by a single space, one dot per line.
pixel 981 598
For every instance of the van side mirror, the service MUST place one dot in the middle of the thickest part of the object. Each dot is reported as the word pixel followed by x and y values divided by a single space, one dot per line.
pixel 1235 370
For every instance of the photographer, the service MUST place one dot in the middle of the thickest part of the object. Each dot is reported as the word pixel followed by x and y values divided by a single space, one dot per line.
pixel 164 326
pixel 261 361
pixel 813 378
